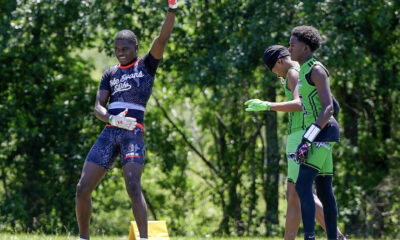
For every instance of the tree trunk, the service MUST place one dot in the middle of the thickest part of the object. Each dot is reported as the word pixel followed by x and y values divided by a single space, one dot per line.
pixel 224 224
pixel 236 203
pixel 350 127
pixel 253 194
pixel 350 117
pixel 271 183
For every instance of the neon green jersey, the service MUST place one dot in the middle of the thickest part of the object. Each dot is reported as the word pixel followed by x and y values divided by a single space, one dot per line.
pixel 295 118
pixel 308 93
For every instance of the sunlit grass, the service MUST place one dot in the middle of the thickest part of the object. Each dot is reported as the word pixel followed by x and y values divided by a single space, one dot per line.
pixel 63 237
pixel 66 237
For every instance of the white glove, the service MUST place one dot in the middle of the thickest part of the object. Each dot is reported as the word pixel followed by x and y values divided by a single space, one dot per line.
pixel 172 4
pixel 121 121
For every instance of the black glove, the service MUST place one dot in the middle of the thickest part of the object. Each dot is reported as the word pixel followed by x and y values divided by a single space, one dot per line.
pixel 305 145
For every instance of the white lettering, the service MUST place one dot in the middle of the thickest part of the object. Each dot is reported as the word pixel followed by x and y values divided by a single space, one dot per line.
pixel 125 77
pixel 121 87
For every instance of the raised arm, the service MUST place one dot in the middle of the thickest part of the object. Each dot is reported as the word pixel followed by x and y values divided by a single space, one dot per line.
pixel 157 49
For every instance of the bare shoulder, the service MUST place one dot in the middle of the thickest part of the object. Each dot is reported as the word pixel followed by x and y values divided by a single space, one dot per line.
pixel 293 77
pixel 293 73
pixel 318 72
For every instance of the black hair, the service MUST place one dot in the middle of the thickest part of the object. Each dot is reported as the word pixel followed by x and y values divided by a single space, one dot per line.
pixel 126 35
pixel 273 53
pixel 308 35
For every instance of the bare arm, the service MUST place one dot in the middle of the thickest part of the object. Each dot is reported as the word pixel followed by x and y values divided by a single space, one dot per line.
pixel 157 49
pixel 320 79
pixel 295 104
pixel 100 109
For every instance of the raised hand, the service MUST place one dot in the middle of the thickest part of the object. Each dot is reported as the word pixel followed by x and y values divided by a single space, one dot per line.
pixel 172 4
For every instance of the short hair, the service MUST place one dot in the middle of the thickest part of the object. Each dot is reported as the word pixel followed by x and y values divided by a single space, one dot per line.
pixel 308 35
pixel 126 35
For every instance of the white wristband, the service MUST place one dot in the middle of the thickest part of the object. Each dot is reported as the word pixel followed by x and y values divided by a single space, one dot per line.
pixel 172 4
pixel 312 132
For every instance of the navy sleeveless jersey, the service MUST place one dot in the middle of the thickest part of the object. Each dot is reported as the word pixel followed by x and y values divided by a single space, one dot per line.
pixel 130 86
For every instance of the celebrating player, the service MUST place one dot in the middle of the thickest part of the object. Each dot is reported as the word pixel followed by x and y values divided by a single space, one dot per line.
pixel 126 87
pixel 315 150
pixel 277 59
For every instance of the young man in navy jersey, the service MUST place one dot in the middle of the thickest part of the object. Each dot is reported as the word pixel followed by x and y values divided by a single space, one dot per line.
pixel 126 87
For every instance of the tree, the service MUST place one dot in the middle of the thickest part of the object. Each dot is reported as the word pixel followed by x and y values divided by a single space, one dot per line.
pixel 203 150
pixel 48 94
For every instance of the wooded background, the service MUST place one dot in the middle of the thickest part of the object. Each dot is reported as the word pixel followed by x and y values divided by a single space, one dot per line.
pixel 211 168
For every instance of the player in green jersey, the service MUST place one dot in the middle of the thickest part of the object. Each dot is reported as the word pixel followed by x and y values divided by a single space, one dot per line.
pixel 315 150
pixel 277 59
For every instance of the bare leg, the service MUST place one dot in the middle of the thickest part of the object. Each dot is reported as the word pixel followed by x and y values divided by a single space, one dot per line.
pixel 132 175
pixel 293 212
pixel 319 214
pixel 90 177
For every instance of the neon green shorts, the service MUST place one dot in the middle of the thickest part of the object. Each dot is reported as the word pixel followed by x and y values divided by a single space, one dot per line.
pixel 320 157
pixel 293 141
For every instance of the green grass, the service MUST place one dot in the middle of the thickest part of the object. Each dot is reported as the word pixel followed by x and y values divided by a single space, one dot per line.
pixel 62 237
pixel 65 237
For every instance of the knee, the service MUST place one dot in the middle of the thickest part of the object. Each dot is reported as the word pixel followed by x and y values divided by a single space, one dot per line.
pixel 134 188
pixel 325 195
pixel 303 190
pixel 321 194
pixel 300 189
pixel 291 196
pixel 82 191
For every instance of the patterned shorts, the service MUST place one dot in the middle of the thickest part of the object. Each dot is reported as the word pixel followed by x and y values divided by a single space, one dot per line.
pixel 113 141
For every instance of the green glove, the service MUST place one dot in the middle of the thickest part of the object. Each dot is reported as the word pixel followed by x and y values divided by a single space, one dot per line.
pixel 257 105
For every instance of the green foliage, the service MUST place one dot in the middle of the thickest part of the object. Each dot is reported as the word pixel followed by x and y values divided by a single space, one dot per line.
pixel 105 237
pixel 47 97
pixel 206 164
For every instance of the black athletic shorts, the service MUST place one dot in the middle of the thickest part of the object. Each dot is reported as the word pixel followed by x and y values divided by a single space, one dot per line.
pixel 113 141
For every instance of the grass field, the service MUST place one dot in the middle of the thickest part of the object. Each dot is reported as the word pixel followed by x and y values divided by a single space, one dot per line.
pixel 64 237
pixel 61 237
